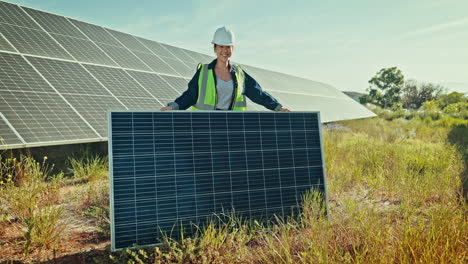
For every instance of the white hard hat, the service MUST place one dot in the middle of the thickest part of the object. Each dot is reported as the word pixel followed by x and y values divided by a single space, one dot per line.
pixel 223 36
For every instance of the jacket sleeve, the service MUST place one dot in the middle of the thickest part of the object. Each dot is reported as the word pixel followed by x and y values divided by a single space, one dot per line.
pixel 190 96
pixel 255 93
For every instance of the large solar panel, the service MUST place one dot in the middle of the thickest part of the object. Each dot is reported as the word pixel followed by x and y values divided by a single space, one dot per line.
pixel 52 57
pixel 170 170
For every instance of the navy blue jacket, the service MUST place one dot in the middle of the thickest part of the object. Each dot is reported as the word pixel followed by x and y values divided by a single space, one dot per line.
pixel 252 90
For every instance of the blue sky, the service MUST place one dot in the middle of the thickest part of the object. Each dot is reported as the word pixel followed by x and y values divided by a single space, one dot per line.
pixel 343 43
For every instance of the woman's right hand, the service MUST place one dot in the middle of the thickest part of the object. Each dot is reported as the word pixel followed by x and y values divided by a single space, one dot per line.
pixel 166 108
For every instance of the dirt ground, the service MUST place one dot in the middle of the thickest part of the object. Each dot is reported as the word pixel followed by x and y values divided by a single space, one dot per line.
pixel 80 243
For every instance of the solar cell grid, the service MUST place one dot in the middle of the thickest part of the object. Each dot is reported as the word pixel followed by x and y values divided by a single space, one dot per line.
pixel 117 81
pixel 17 75
pixel 180 67
pixel 96 33
pixel 155 85
pixel 190 56
pixel 43 117
pixel 68 77
pixel 155 63
pixel 178 83
pixel 199 57
pixel 7 135
pixel 179 53
pixel 4 45
pixel 156 48
pixel 13 15
pixel 34 42
pixel 134 103
pixel 123 57
pixel 129 41
pixel 84 50
pixel 54 24
pixel 173 168
pixel 94 109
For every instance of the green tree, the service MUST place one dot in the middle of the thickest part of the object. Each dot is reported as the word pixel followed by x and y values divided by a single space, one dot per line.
pixel 385 88
pixel 451 98
pixel 415 94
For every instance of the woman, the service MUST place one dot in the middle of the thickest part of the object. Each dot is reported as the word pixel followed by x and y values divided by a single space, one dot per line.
pixel 221 85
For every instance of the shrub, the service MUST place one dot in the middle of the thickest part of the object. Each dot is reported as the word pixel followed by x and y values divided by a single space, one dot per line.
pixel 88 168
pixel 34 207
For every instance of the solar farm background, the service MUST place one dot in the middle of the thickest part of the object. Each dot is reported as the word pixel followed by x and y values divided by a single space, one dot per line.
pixel 59 77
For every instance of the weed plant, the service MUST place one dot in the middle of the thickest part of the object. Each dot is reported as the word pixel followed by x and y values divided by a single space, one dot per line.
pixel 88 167
pixel 30 203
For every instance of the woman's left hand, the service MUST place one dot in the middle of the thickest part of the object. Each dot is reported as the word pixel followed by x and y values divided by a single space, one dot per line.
pixel 282 109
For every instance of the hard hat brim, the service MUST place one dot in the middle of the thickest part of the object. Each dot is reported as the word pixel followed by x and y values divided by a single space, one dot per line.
pixel 223 43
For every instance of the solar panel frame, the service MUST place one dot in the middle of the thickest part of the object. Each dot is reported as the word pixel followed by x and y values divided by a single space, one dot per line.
pixel 189 203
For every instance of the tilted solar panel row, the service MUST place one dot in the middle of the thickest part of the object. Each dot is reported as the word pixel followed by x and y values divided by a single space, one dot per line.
pixel 59 76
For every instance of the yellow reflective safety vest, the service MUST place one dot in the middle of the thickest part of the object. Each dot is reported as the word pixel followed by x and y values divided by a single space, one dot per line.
pixel 207 97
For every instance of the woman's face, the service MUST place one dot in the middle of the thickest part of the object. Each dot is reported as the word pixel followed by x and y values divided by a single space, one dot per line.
pixel 223 53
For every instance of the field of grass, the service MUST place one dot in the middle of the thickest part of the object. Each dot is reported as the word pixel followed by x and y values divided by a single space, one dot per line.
pixel 397 194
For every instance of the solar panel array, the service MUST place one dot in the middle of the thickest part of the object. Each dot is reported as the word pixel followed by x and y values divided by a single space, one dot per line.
pixel 58 77
pixel 170 170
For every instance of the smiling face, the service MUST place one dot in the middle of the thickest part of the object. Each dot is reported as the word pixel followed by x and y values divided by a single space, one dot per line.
pixel 223 53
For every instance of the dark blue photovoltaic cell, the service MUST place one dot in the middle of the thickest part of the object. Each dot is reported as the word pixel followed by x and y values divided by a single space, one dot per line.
pixel 173 169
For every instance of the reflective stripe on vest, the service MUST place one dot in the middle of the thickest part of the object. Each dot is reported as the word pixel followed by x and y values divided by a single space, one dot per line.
pixel 207 90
